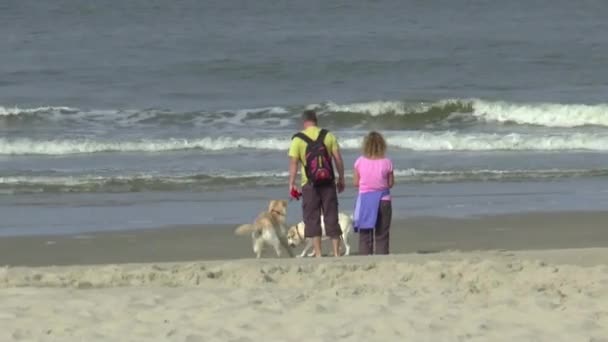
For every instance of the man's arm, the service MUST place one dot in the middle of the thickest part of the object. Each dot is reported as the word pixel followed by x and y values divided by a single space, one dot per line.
pixel 293 172
pixel 339 163
pixel 340 167
pixel 294 162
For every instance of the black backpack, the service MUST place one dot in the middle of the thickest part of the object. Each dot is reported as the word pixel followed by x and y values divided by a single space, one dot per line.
pixel 319 169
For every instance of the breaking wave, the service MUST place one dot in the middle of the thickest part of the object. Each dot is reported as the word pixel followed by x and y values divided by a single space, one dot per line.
pixel 10 185
pixel 412 140
pixel 14 111
pixel 543 114
pixel 135 183
pixel 373 114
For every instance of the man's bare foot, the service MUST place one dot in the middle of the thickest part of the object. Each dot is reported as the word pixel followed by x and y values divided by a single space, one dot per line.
pixel 336 247
pixel 316 243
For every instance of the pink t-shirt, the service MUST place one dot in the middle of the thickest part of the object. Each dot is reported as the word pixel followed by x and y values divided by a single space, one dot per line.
pixel 373 174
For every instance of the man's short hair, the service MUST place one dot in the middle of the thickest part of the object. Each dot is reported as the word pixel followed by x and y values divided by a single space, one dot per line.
pixel 309 115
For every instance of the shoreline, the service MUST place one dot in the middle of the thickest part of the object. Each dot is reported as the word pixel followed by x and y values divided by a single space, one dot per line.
pixel 420 235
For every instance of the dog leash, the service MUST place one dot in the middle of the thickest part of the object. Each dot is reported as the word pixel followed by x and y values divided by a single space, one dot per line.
pixel 294 195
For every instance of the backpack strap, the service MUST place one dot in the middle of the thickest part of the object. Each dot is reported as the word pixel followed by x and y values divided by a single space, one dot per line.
pixel 321 137
pixel 307 140
pixel 303 136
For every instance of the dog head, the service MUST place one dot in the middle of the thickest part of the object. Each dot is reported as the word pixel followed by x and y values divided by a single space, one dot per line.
pixel 294 238
pixel 278 208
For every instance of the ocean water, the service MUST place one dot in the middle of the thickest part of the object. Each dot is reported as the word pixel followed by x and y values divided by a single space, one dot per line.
pixel 147 113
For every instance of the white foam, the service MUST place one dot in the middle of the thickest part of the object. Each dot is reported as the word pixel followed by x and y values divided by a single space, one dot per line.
pixel 452 141
pixel 96 183
pixel 269 110
pixel 376 108
pixel 485 174
pixel 75 180
pixel 542 114
pixel 254 174
pixel 373 108
pixel 415 140
pixel 50 180
pixel 60 147
pixel 7 111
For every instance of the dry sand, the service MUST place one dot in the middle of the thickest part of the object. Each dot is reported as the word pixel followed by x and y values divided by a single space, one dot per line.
pixel 540 295
pixel 480 296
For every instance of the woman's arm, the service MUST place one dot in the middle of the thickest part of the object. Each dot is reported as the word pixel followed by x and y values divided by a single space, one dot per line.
pixel 391 179
pixel 355 178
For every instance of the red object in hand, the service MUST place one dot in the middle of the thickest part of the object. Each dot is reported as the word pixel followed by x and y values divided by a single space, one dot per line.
pixel 295 194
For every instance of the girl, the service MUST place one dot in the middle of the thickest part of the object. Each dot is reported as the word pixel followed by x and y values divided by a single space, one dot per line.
pixel 374 177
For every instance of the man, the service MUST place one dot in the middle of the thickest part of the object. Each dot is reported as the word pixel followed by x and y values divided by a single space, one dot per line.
pixel 315 148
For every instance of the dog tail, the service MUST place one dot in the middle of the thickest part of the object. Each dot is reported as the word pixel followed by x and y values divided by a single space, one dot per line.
pixel 245 229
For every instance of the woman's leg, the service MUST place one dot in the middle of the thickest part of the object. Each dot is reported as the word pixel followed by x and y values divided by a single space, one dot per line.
pixel 383 225
pixel 365 241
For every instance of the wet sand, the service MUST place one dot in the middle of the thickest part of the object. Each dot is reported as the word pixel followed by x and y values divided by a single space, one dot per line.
pixel 216 242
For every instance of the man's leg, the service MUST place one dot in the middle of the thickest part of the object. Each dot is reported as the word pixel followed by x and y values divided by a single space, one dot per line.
pixel 311 213
pixel 316 243
pixel 336 246
pixel 329 203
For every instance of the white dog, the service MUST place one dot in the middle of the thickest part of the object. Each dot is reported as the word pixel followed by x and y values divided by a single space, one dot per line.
pixel 295 234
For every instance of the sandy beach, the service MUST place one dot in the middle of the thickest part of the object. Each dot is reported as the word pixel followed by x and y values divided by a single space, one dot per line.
pixel 553 295
pixel 536 277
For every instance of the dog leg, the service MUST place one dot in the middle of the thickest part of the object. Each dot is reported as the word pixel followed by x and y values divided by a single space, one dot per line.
pixel 312 253
pixel 303 254
pixel 346 247
pixel 276 244
pixel 307 247
pixel 257 248
pixel 285 244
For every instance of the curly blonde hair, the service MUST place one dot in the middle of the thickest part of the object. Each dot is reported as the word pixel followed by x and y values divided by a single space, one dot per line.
pixel 374 145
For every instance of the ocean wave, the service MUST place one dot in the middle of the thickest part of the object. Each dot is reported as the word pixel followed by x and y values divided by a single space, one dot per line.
pixel 62 147
pixel 15 111
pixel 390 115
pixel 542 114
pixel 431 176
pixel 136 183
pixel 455 141
pixel 379 108
pixel 538 114
pixel 149 117
pixel 396 115
pixel 11 185
pixel 413 140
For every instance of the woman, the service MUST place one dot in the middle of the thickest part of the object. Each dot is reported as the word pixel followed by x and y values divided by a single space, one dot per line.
pixel 374 177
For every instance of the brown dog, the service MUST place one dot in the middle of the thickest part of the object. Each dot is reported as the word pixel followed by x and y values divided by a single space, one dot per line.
pixel 268 228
